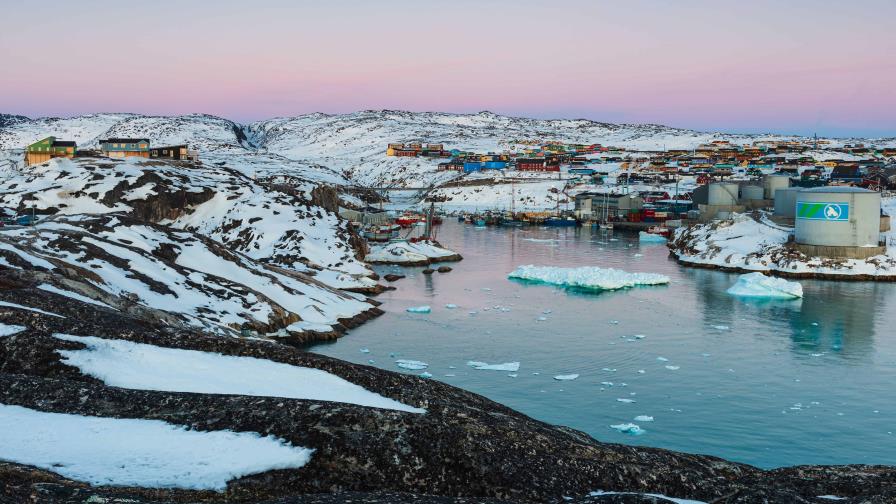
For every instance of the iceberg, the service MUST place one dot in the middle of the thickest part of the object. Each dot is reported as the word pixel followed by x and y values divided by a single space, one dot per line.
pixel 643 418
pixel 483 366
pixel 757 285
pixel 628 428
pixel 566 377
pixel 586 277
pixel 419 309
pixel 646 237
pixel 413 365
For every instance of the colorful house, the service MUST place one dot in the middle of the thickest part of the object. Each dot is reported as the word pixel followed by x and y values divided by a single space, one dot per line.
pixel 538 164
pixel 177 152
pixel 472 166
pixel 48 148
pixel 453 165
pixel 125 147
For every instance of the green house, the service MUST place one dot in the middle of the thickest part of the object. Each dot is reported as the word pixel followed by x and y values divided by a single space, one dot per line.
pixel 53 147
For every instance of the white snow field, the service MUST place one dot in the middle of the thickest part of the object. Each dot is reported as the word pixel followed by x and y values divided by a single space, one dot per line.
pixel 7 304
pixel 136 452
pixel 10 329
pixel 758 285
pixel 140 366
pixel 406 252
pixel 658 496
pixel 587 277
pixel 73 295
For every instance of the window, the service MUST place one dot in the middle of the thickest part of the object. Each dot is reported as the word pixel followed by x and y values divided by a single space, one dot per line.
pixel 142 146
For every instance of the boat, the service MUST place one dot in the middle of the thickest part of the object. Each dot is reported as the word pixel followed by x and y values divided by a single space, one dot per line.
pixel 659 230
pixel 408 220
pixel 560 221
pixel 479 222
pixel 380 233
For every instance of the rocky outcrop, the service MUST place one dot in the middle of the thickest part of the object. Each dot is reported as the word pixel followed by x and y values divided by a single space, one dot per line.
pixel 465 448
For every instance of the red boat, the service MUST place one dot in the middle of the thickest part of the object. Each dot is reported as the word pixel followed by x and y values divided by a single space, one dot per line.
pixel 408 220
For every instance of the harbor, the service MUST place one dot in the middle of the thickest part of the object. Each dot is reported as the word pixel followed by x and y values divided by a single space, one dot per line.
pixel 749 380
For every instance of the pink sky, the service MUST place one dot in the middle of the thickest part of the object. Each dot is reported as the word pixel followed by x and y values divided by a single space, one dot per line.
pixel 807 66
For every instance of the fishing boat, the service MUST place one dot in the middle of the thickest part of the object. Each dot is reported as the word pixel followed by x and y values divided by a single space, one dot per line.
pixel 659 230
pixel 560 221
pixel 380 233
pixel 408 220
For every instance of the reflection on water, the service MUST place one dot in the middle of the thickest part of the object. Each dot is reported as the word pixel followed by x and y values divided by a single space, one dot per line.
pixel 764 382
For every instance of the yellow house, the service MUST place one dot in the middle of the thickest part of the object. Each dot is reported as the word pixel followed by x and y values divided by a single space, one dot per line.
pixel 48 148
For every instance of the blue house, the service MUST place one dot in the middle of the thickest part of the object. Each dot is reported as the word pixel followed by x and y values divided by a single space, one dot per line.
pixel 472 166
pixel 495 165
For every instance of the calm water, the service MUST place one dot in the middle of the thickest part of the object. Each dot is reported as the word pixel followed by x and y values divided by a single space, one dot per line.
pixel 767 383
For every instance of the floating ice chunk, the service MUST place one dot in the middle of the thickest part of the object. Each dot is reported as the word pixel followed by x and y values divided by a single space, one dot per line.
pixel 419 309
pixel 365 350
pixel 609 370
pixel 721 327
pixel 371 361
pixel 641 371
pixel 484 366
pixel 413 365
pixel 673 368
pixel 639 336
pixel 628 428
pixel 546 312
pixel 607 383
pixel 541 319
pixel 587 277
pixel 425 374
pixel 9 330
pixel 757 285
pixel 450 306
pixel 646 237
pixel 512 375
pixel 638 255
pixel 566 377
pixel 614 322
pixel 625 400
pixel 662 359
pixel 643 418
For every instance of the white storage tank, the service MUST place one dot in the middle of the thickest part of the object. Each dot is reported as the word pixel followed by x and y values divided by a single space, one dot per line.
pixel 773 182
pixel 752 193
pixel 785 202
pixel 838 217
pixel 723 194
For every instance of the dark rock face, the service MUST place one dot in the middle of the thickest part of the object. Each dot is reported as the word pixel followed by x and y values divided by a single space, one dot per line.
pixel 465 448
pixel 428 271
pixel 392 277
pixel 444 269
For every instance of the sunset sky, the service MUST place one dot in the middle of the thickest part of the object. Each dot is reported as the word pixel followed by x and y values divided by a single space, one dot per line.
pixel 793 67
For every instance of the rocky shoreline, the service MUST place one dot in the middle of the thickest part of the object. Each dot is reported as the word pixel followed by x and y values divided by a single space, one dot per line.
pixel 464 448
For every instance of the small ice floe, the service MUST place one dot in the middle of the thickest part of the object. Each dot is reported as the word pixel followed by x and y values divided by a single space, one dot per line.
pixel 607 383
pixel 419 309
pixel 9 329
pixel 484 366
pixel 566 377
pixel 815 324
pixel 365 350
pixel 512 375
pixel 487 289
pixel 628 428
pixel 625 400
pixel 641 371
pixel 639 336
pixel 450 375
pixel 586 277
pixel 817 354
pixel 609 370
pixel 541 319
pixel 638 255
pixel 450 306
pixel 721 327
pixel 546 312
pixel 673 368
pixel 643 418
pixel 614 322
pixel 662 359
pixel 371 361
pixel 413 365
pixel 646 237
pixel 426 374
pixel 757 285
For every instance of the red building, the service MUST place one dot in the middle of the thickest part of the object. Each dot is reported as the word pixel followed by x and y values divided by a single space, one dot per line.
pixel 537 164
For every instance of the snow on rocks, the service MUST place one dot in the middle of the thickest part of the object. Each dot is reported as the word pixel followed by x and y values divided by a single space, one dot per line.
pixel 758 285
pixel 587 277
pixel 136 452
pixel 10 329
pixel 194 278
pixel 140 366
pixel 745 243
pixel 410 253
pixel 484 366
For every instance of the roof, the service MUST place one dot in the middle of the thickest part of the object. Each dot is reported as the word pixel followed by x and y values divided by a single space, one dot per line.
pixel 124 140
pixel 837 189
pixel 64 143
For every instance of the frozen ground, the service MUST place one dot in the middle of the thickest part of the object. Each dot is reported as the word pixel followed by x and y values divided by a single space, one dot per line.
pixel 147 367
pixel 135 452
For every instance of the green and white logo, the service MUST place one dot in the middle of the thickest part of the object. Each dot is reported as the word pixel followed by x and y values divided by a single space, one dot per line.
pixel 815 210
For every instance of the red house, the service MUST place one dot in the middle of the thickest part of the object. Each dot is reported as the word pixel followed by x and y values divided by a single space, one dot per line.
pixel 537 164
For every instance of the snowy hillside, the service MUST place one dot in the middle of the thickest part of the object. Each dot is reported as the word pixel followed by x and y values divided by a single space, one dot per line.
pixel 285 229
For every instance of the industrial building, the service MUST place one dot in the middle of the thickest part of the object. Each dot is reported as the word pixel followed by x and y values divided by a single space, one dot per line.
pixel 598 206
pixel 838 221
